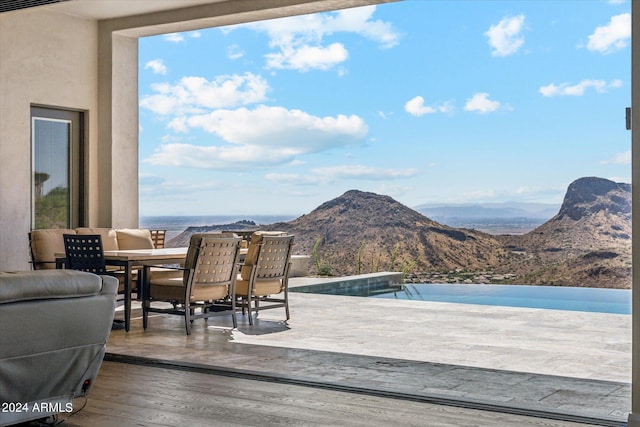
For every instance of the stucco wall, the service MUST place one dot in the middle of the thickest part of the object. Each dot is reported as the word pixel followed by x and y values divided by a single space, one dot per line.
pixel 49 60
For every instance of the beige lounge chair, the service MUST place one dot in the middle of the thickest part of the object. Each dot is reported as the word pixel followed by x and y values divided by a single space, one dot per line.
pixel 265 273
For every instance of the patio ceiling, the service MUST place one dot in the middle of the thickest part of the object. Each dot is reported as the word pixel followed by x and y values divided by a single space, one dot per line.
pixel 105 9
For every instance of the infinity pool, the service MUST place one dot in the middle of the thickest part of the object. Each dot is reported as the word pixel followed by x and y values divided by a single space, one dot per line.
pixel 617 301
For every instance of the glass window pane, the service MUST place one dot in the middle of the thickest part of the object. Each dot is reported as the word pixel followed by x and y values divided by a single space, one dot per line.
pixel 51 183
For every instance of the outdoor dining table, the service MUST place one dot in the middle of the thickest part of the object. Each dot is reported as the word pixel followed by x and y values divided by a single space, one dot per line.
pixel 131 259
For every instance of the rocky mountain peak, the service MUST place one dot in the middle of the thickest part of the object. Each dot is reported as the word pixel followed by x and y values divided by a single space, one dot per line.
pixel 366 232
pixel 359 202
pixel 590 195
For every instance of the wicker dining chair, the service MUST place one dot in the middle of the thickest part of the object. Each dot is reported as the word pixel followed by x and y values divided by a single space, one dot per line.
pixel 208 282
pixel 158 238
pixel 264 278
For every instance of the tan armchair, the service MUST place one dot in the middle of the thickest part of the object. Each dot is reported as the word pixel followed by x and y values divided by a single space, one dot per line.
pixel 265 273
pixel 208 282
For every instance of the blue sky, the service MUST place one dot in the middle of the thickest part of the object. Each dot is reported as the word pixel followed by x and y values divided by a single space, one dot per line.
pixel 424 101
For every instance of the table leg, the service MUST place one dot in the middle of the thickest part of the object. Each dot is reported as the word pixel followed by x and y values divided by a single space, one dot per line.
pixel 127 296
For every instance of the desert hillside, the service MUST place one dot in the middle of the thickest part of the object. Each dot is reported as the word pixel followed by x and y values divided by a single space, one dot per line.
pixel 362 232
pixel 588 242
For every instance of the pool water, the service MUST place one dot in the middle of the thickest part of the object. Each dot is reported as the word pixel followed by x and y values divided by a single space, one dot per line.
pixel 548 297
pixel 617 301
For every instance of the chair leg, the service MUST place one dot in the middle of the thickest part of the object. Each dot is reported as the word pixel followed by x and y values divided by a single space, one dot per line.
pixel 187 319
pixel 249 301
pixel 286 302
pixel 145 314
pixel 233 313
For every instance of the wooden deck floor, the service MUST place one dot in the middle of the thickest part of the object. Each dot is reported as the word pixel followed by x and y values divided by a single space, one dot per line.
pixel 133 395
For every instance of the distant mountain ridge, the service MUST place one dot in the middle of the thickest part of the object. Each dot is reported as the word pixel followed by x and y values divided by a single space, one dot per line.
pixel 489 210
pixel 587 243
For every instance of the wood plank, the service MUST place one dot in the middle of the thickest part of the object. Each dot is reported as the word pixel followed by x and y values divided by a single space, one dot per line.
pixel 129 395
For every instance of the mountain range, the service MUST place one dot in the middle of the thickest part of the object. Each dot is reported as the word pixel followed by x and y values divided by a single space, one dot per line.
pixel 440 212
pixel 587 243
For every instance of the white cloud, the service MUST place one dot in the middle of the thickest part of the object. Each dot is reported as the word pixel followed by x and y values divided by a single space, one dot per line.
pixel 157 66
pixel 565 89
pixel 234 52
pixel 623 158
pixel 305 58
pixel 278 126
pixel 416 107
pixel 196 94
pixel 505 37
pixel 259 137
pixel 623 179
pixel 531 194
pixel 298 40
pixel 148 180
pixel 172 190
pixel 179 37
pixel 613 36
pixel 331 174
pixel 481 103
pixel 174 37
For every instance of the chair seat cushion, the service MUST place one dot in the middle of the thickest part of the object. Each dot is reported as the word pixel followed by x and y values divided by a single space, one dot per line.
pixel 261 287
pixel 172 289
pixel 134 238
pixel 166 273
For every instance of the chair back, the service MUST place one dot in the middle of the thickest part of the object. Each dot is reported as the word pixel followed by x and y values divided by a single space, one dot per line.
pixel 195 244
pixel 217 261
pixel 274 255
pixel 84 252
pixel 158 237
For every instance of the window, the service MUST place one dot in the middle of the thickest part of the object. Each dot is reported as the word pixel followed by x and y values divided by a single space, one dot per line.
pixel 56 168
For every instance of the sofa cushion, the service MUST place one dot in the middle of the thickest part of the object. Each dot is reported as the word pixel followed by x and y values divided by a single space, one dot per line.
pixel 48 284
pixel 109 236
pixel 45 243
pixel 134 238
